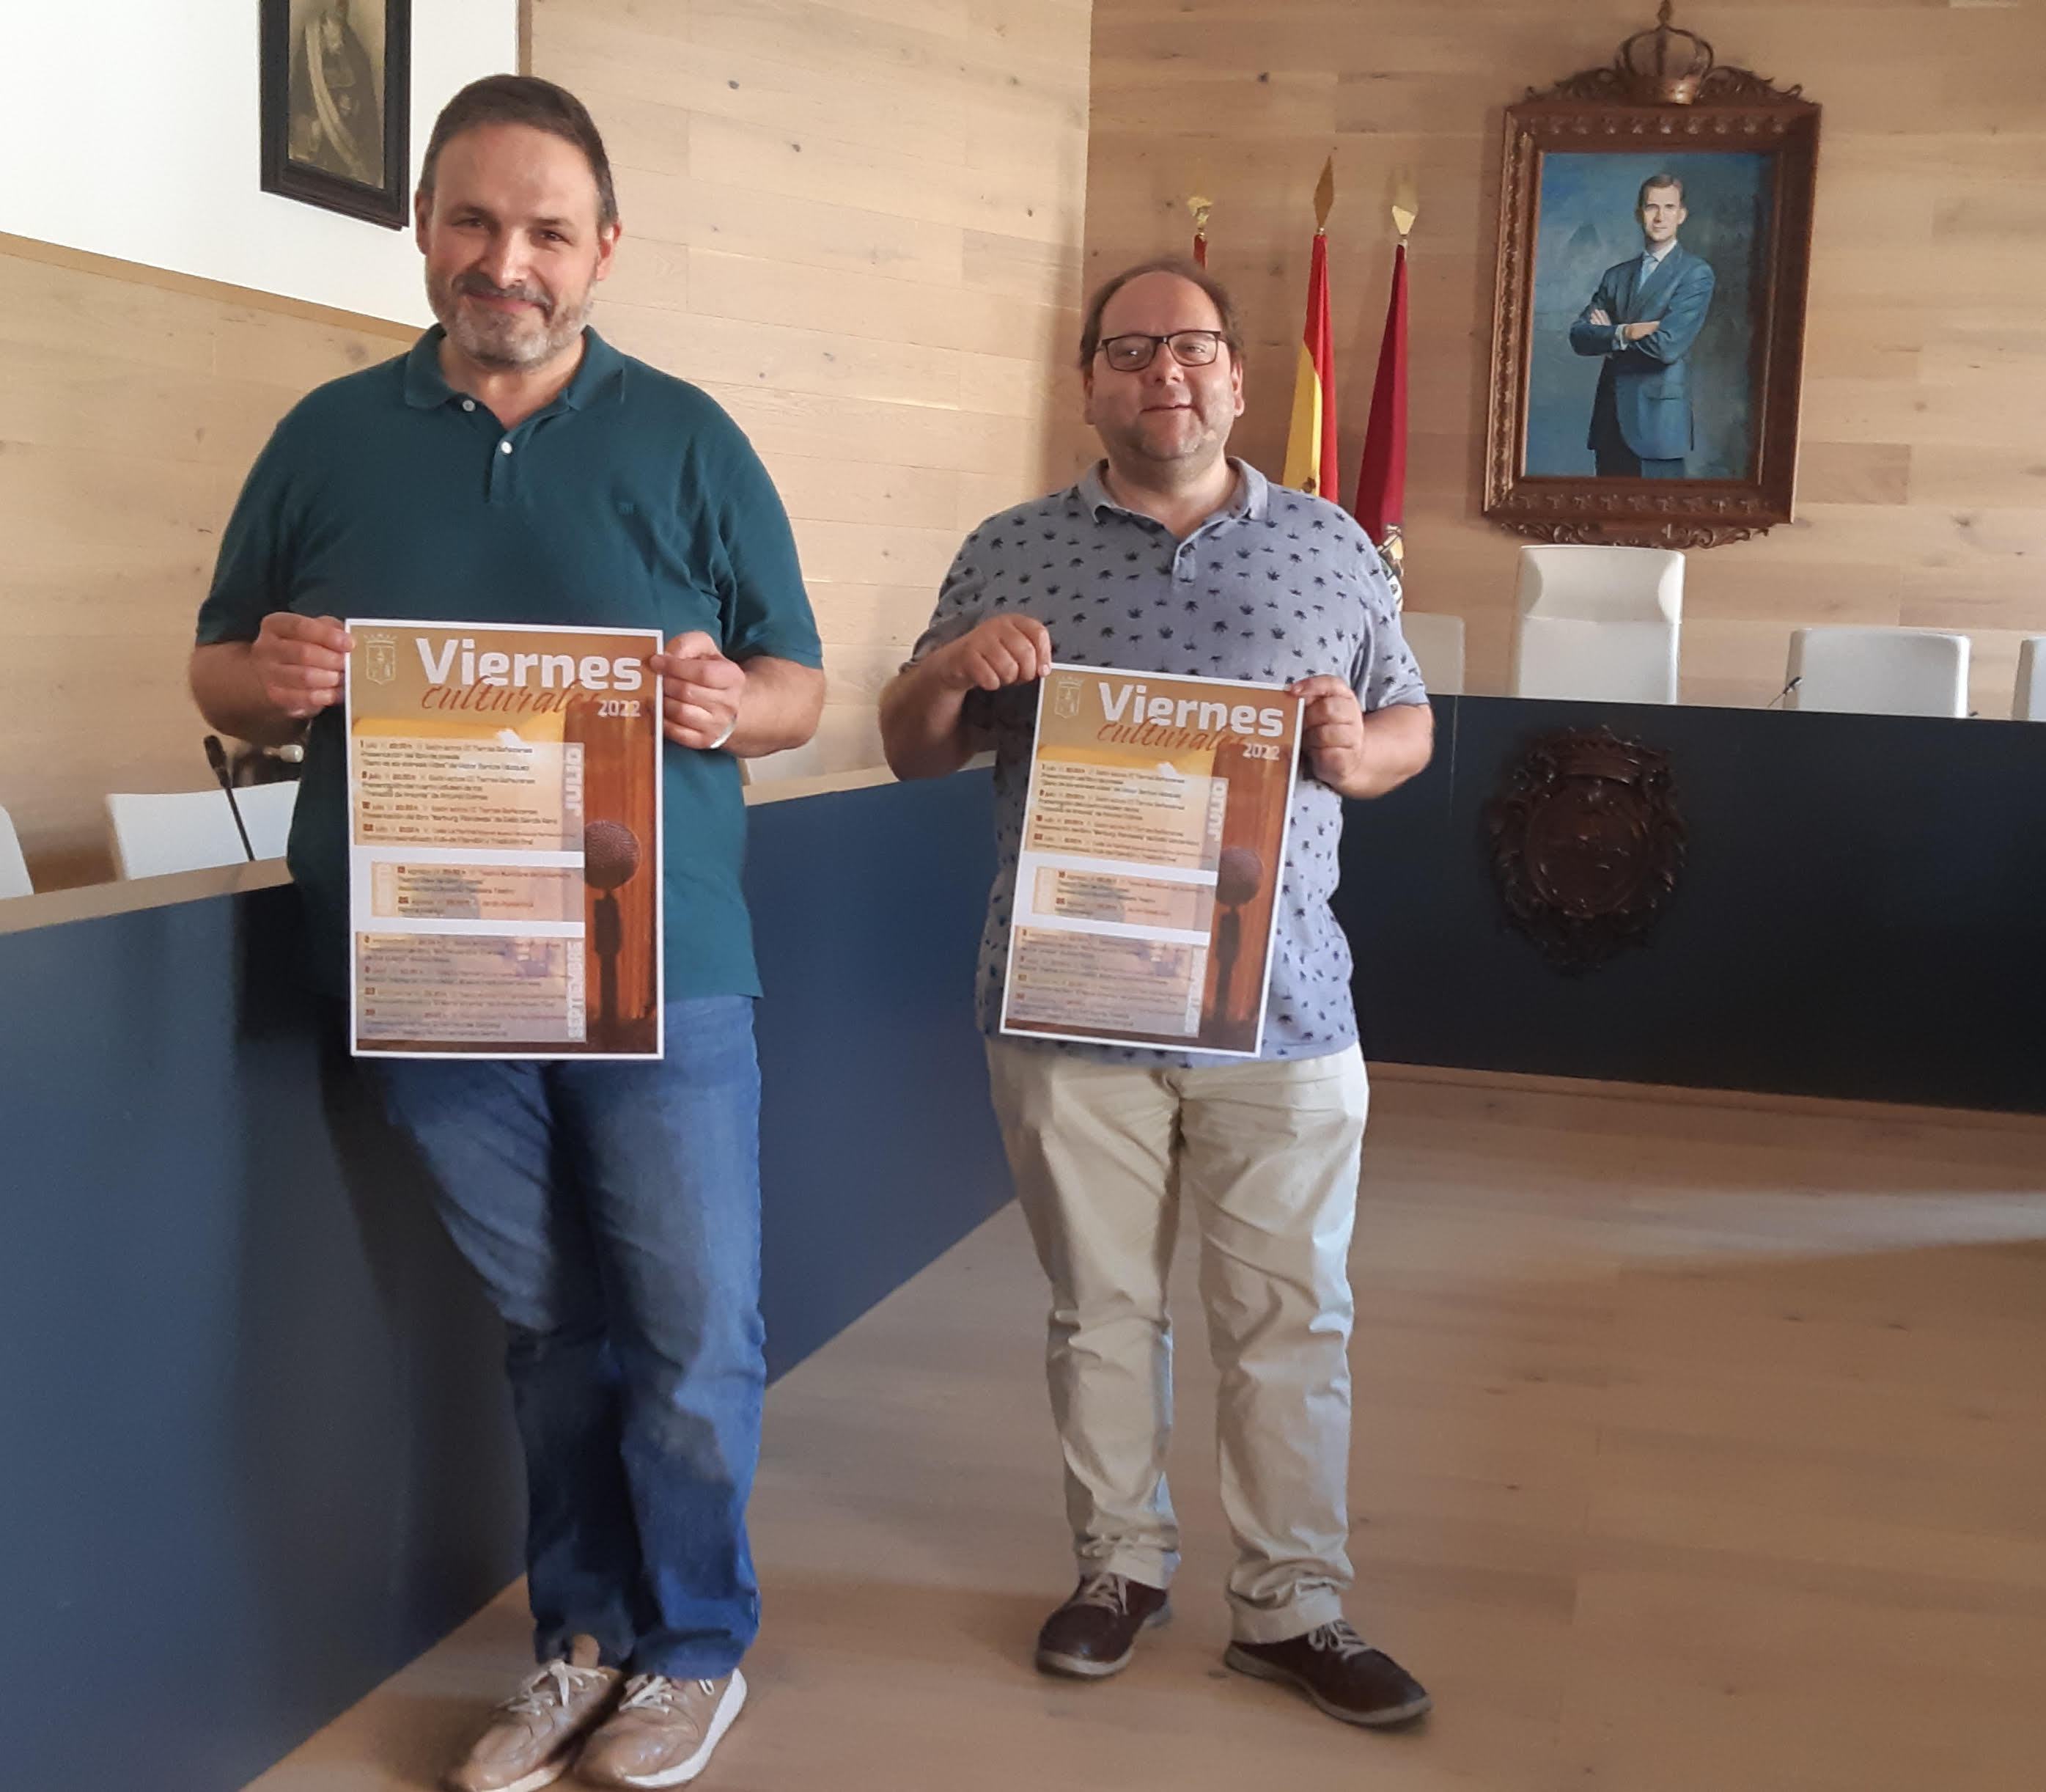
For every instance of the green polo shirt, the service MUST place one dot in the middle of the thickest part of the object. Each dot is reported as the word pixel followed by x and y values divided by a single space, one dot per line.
pixel 632 501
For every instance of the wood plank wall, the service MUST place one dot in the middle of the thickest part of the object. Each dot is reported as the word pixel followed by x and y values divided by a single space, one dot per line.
pixel 1922 490
pixel 857 224
pixel 131 404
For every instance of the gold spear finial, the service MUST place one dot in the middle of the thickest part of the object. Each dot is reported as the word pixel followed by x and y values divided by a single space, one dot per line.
pixel 1200 205
pixel 1325 193
pixel 1406 204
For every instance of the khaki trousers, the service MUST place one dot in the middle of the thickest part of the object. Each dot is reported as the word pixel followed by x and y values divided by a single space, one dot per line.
pixel 1266 1157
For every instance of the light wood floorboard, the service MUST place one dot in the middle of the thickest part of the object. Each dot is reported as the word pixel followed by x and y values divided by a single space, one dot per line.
pixel 1699 1448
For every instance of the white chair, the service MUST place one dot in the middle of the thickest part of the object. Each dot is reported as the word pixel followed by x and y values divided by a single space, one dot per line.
pixel 13 867
pixel 1878 671
pixel 1437 643
pixel 187 829
pixel 1599 623
pixel 2027 703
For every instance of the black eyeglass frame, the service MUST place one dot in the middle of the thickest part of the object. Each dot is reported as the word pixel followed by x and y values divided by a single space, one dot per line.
pixel 1215 339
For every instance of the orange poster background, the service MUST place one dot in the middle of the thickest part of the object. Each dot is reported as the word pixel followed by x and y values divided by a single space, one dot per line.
pixel 1077 721
pixel 392 692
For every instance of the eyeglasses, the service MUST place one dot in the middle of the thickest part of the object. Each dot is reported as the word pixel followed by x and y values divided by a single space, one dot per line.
pixel 1191 348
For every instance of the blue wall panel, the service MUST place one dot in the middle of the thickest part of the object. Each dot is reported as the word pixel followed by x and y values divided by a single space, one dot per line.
pixel 255 1449
pixel 877 1148
pixel 1862 911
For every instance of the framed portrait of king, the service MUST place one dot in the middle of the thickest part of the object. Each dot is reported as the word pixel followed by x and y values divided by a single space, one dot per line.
pixel 1649 320
pixel 337 103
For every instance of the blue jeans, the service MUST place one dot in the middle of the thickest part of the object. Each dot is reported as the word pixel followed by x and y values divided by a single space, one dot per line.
pixel 613 1212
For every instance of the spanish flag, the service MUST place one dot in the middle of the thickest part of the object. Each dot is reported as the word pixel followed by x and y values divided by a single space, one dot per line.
pixel 1310 440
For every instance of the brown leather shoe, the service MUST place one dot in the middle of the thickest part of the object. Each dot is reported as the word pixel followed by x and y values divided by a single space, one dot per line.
pixel 1338 1670
pixel 1094 1634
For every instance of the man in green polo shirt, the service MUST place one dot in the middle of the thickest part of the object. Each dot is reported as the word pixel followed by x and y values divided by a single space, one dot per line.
pixel 514 468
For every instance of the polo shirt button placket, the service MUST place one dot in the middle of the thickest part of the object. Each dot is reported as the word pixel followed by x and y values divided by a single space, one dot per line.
pixel 500 472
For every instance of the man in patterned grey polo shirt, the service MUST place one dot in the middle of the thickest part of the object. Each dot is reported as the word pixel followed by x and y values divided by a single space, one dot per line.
pixel 1170 557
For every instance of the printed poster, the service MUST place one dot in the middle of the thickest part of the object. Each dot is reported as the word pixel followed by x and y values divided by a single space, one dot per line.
pixel 504 841
pixel 1154 838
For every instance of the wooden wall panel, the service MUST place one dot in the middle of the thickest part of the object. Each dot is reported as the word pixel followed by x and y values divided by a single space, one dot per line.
pixel 131 403
pixel 1922 489
pixel 857 224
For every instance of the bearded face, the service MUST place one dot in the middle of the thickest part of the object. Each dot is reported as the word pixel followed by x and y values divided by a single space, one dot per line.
pixel 524 324
pixel 513 246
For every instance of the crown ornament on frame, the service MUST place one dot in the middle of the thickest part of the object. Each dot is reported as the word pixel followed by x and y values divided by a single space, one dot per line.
pixel 1665 65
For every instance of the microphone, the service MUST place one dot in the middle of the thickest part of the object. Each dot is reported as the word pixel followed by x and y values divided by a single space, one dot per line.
pixel 1239 876
pixel 610 858
pixel 610 855
pixel 216 756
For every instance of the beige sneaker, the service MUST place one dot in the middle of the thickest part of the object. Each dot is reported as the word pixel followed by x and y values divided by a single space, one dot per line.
pixel 531 1737
pixel 662 1732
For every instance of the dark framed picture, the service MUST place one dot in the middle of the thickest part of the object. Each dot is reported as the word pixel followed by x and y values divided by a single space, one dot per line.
pixel 1649 320
pixel 336 104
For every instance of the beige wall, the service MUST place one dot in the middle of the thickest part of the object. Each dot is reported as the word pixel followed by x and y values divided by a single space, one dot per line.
pixel 857 225
pixel 856 222
pixel 131 403
pixel 1922 487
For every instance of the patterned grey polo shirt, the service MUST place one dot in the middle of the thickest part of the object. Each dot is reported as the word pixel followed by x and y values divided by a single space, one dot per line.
pixel 1275 586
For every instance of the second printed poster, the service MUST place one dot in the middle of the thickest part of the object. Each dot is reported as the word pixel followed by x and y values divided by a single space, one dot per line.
pixel 1154 838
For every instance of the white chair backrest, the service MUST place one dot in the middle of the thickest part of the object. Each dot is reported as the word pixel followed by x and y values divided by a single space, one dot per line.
pixel 13 867
pixel 1600 624
pixel 1437 642
pixel 1596 661
pixel 1879 671
pixel 2028 703
pixel 1603 584
pixel 187 829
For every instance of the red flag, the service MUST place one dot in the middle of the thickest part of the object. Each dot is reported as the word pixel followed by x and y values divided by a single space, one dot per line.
pixel 1201 248
pixel 1381 484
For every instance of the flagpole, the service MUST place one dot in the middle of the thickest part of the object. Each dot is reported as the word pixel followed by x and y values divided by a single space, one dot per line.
pixel 1200 206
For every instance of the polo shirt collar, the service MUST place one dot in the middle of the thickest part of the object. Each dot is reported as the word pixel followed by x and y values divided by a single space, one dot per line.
pixel 601 373
pixel 1251 501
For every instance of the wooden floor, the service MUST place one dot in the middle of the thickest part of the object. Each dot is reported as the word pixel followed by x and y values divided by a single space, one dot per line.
pixel 1700 1447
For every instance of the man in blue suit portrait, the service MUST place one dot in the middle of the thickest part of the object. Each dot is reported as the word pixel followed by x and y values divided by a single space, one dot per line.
pixel 1643 319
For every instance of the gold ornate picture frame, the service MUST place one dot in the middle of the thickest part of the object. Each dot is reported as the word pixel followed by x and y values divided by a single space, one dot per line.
pixel 1646 391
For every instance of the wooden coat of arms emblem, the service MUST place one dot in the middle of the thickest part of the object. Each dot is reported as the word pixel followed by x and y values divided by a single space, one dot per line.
pixel 1586 844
